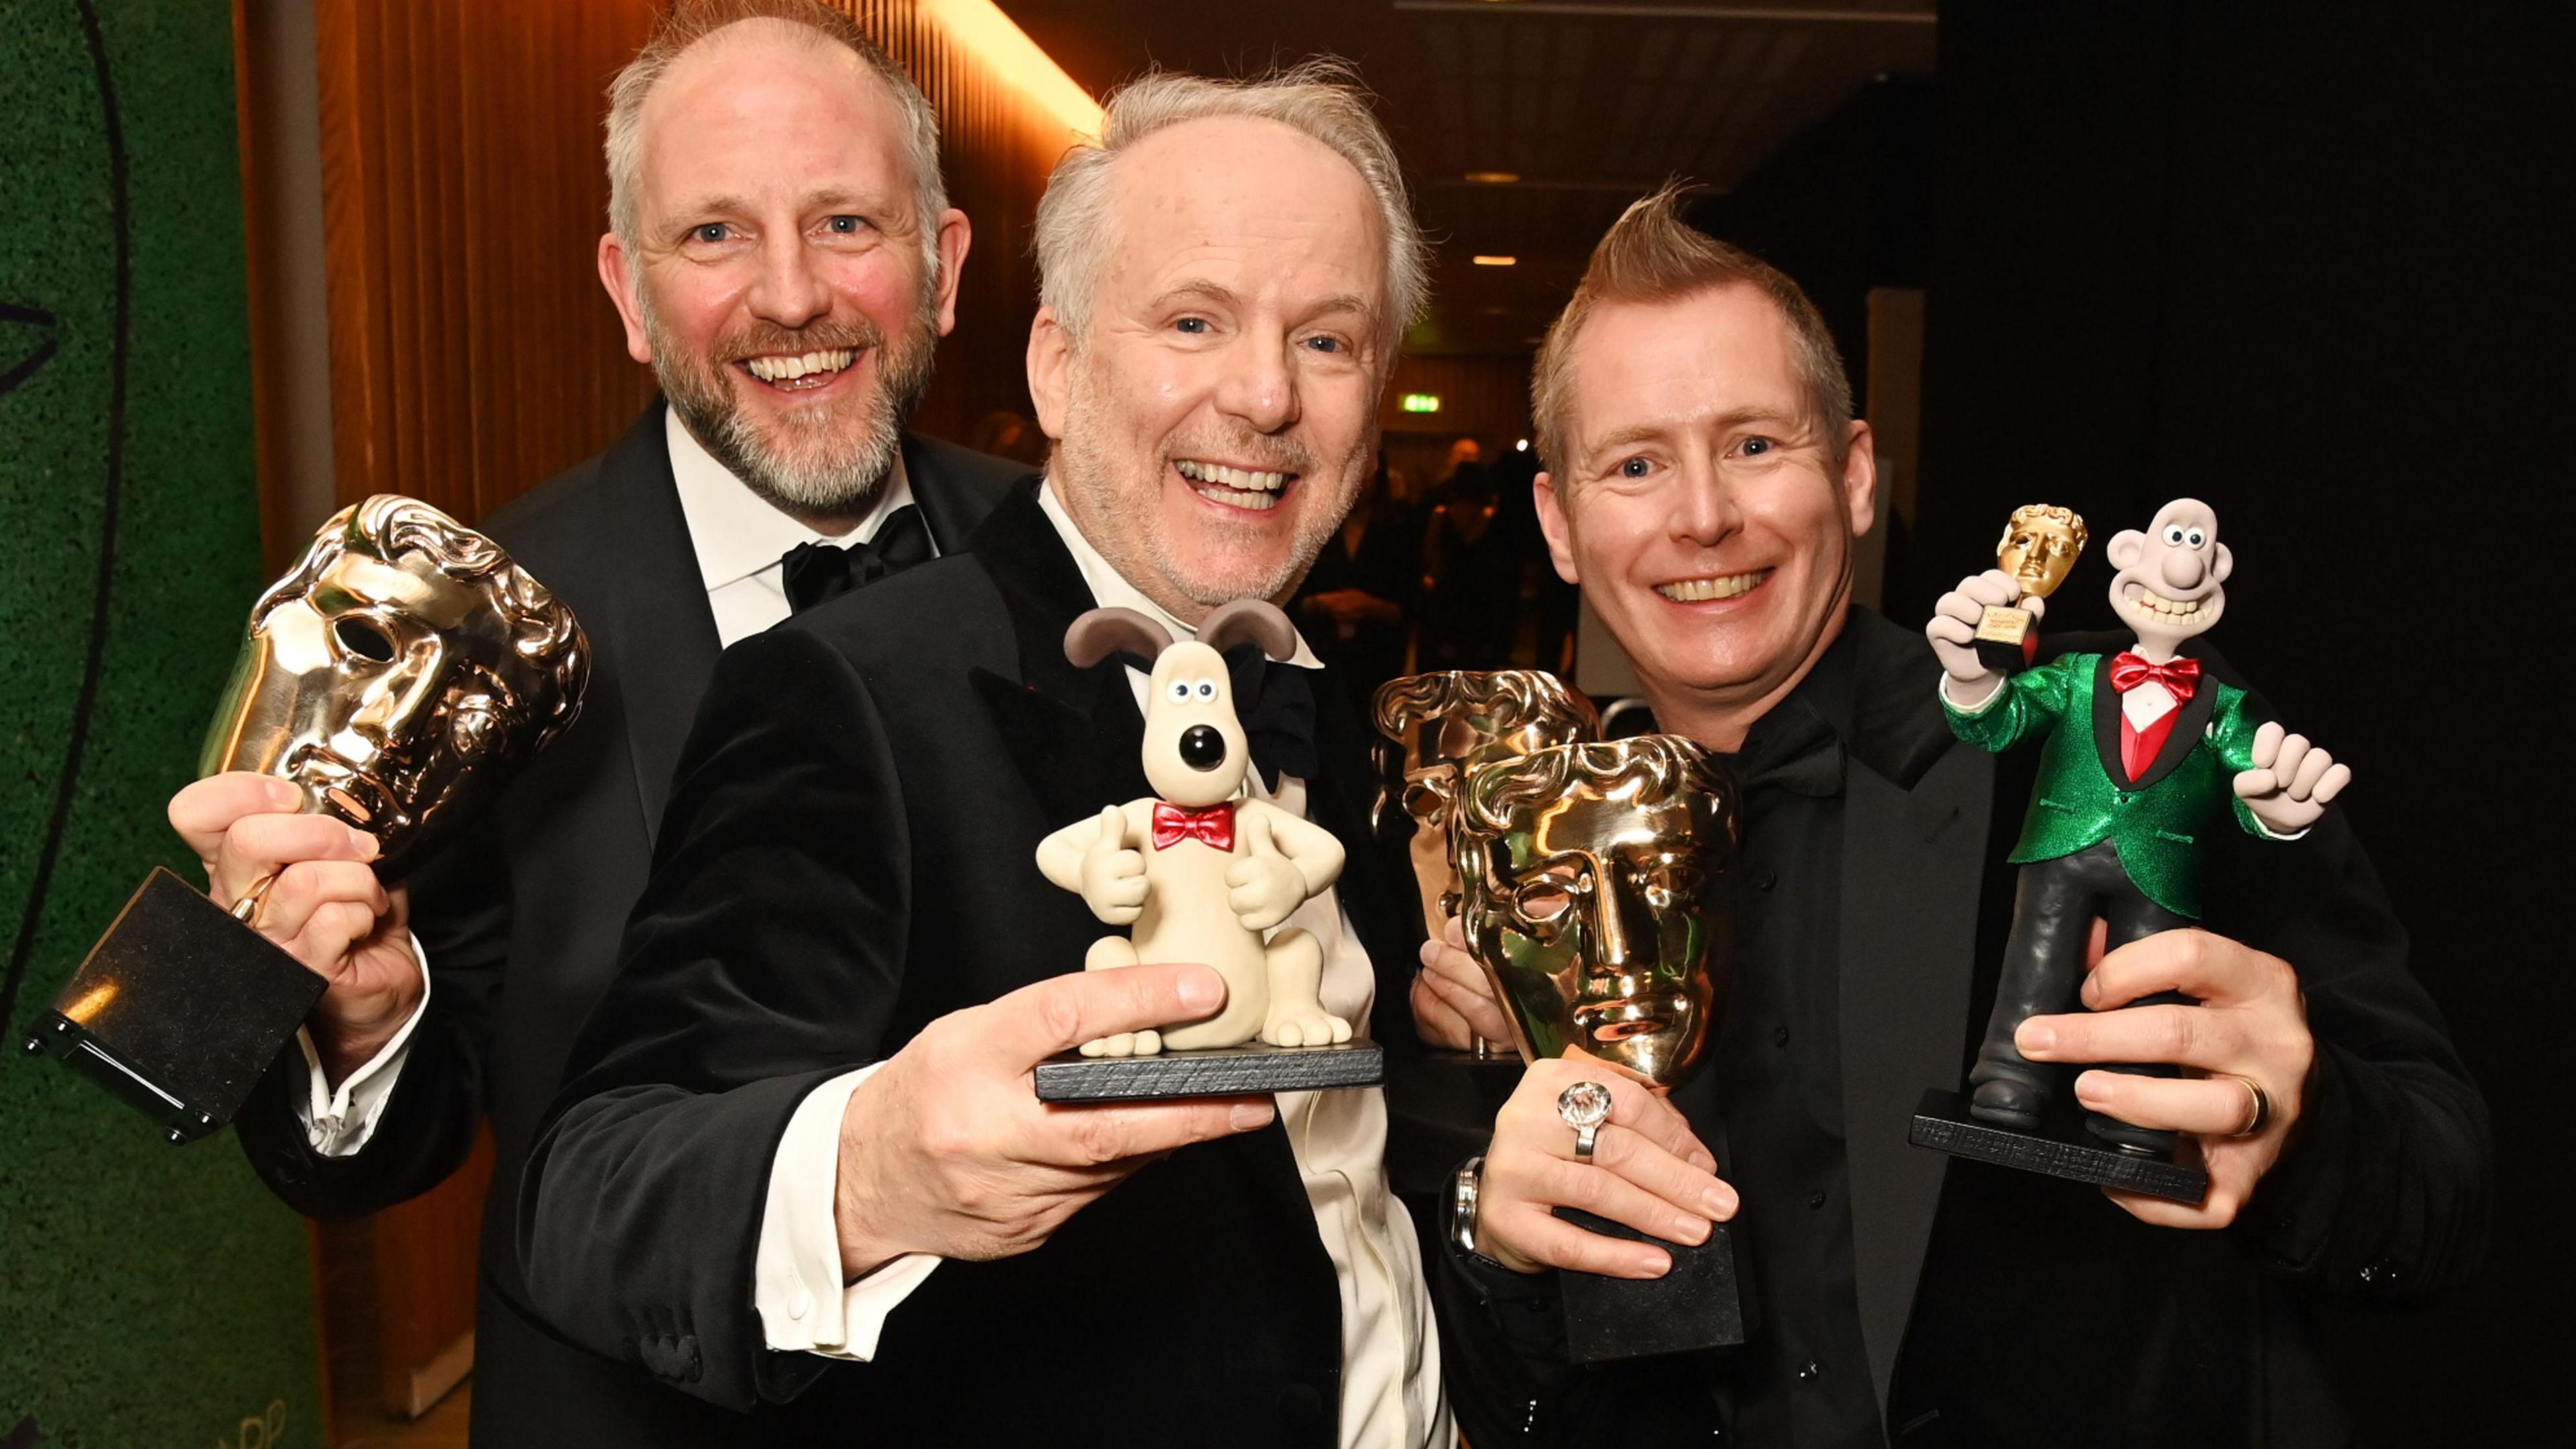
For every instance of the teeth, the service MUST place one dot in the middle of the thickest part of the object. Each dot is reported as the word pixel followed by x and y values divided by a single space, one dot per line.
pixel 790 368
pixel 1730 586
pixel 1236 479
pixel 2170 608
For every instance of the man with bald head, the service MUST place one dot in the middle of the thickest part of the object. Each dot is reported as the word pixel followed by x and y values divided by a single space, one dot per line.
pixel 799 1168
pixel 783 257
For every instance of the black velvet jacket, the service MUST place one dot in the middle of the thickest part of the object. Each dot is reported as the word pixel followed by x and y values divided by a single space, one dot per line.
pixel 521 918
pixel 2004 1308
pixel 850 853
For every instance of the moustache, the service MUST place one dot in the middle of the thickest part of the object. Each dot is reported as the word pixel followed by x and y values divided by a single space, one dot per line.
pixel 1256 451
pixel 765 341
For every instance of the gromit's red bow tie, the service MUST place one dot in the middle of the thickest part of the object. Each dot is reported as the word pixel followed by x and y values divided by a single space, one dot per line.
pixel 1214 825
pixel 2181 677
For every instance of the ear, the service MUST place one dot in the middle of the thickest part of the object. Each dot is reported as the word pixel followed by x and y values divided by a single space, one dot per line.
pixel 956 234
pixel 2124 548
pixel 1860 477
pixel 1553 523
pixel 1255 620
pixel 1050 360
pixel 619 273
pixel 1103 632
pixel 2222 566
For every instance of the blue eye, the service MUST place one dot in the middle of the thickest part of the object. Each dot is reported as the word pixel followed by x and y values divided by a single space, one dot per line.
pixel 845 225
pixel 1635 468
pixel 1194 326
pixel 713 231
pixel 1756 447
pixel 1325 344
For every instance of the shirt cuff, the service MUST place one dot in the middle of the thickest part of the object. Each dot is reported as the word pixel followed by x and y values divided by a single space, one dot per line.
pixel 1978 708
pixel 338 1124
pixel 796 1270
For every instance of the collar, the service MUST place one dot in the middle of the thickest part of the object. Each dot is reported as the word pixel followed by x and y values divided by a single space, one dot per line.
pixel 1110 589
pixel 1800 742
pixel 735 532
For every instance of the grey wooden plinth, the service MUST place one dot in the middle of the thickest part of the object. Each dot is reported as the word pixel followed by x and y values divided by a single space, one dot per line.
pixel 1942 1123
pixel 1245 1071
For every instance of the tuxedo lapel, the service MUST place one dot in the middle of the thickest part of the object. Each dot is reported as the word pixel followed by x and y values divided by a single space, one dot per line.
pixel 661 633
pixel 1915 815
pixel 2178 742
pixel 1340 800
pixel 953 506
pixel 2194 718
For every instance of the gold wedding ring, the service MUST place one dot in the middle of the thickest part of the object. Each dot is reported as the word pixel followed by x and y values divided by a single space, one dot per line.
pixel 2258 1107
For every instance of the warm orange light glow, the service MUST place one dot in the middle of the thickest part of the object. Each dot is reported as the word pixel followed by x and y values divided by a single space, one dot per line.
pixel 984 32
pixel 1486 261
pixel 1493 178
pixel 91 1002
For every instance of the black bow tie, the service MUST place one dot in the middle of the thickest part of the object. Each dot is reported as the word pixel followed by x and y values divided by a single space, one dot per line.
pixel 1276 703
pixel 816 572
pixel 1792 749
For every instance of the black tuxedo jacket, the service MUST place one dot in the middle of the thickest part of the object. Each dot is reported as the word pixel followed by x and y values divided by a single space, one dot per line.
pixel 849 853
pixel 2005 1308
pixel 520 919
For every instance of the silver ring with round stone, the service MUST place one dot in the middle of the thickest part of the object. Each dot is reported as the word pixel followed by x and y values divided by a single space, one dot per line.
pixel 1584 1107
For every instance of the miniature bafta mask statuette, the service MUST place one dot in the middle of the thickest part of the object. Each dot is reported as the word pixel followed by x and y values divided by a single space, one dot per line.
pixel 2038 550
pixel 405 669
pixel 1596 888
pixel 1440 727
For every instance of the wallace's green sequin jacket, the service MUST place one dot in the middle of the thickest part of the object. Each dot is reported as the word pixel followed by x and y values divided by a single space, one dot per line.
pixel 2157 823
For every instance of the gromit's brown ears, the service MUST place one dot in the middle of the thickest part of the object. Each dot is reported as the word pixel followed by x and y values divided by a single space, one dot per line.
pixel 1255 620
pixel 1103 632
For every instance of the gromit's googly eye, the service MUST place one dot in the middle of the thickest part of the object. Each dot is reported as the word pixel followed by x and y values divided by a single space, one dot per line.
pixel 2195 538
pixel 1179 690
pixel 2173 534
pixel 1207 689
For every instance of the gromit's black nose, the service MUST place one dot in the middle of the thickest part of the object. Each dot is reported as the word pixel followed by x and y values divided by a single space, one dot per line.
pixel 1202 748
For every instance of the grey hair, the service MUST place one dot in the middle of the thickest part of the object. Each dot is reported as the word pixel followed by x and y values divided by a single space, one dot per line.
pixel 691 21
pixel 1321 99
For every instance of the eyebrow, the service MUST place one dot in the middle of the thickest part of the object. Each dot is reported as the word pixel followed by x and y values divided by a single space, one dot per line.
pixel 853 201
pixel 1217 294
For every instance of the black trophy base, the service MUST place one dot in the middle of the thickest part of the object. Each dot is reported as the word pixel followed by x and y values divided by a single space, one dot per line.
pixel 1697 1305
pixel 1251 1070
pixel 2060 1148
pixel 2007 640
pixel 178 1009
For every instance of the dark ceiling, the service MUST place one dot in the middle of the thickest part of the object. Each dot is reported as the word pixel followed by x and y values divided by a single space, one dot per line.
pixel 1586 105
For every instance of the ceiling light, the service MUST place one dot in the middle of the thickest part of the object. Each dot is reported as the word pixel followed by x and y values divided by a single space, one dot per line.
pixel 1490 261
pixel 1493 178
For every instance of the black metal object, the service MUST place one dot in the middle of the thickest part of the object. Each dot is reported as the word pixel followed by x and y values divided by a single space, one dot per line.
pixel 2060 1148
pixel 178 1009
pixel 1699 1304
pixel 1244 1071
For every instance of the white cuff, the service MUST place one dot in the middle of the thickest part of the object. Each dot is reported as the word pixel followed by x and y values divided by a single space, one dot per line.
pixel 1982 705
pixel 339 1123
pixel 796 1270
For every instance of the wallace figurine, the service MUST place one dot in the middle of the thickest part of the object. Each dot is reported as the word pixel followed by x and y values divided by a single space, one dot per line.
pixel 2142 756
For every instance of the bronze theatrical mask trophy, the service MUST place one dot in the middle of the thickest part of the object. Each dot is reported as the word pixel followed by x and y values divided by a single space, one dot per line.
pixel 2038 550
pixel 400 674
pixel 1438 728
pixel 1597 885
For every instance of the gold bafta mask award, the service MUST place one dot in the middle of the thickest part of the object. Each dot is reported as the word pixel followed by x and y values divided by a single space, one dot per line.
pixel 404 670
pixel 2038 550
pixel 1437 728
pixel 1597 887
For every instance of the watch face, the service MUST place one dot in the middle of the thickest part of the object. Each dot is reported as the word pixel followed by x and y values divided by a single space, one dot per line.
pixel 1585 1104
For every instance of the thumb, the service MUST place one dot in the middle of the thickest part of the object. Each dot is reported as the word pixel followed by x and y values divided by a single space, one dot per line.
pixel 1062 1012
pixel 1256 833
pixel 1113 830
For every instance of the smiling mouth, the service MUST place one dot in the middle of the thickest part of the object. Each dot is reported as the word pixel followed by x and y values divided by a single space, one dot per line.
pixel 801 371
pixel 1722 586
pixel 2170 608
pixel 1234 487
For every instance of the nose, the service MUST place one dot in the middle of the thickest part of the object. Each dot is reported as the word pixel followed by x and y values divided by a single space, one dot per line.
pixel 1259 386
pixel 1202 748
pixel 791 291
pixel 2182 568
pixel 1706 511
pixel 1622 930
pixel 400 701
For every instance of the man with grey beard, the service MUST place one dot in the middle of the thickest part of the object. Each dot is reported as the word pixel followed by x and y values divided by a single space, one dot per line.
pixel 782 255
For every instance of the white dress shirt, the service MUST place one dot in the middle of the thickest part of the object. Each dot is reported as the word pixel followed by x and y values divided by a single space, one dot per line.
pixel 740 540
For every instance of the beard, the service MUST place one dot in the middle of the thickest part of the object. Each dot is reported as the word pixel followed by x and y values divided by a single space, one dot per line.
pixel 827 458
pixel 1118 502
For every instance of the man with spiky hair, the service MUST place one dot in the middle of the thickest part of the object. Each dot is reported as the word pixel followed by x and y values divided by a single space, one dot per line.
pixel 782 254
pixel 1705 482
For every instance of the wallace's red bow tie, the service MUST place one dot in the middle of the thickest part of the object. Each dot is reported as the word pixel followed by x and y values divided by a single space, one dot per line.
pixel 1214 825
pixel 2181 676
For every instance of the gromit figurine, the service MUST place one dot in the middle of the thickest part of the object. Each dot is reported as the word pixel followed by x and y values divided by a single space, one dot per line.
pixel 1199 874
pixel 2142 755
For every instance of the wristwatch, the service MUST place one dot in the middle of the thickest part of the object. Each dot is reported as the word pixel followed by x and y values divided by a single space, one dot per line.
pixel 1462 1204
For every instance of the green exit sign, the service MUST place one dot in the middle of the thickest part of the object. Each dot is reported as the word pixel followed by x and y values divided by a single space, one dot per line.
pixel 1422 402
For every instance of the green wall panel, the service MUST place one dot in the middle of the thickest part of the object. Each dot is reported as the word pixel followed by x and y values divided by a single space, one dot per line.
pixel 149 1295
